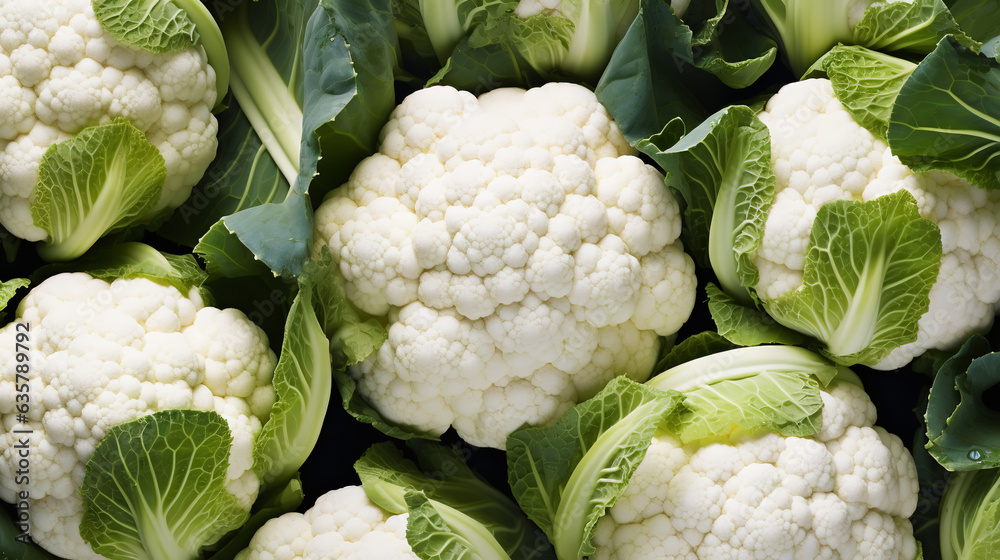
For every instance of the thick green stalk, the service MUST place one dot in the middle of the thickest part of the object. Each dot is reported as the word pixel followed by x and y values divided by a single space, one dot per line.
pixel 267 101
pixel 809 28
pixel 742 363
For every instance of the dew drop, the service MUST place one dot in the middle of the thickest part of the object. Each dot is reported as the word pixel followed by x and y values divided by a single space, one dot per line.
pixel 975 455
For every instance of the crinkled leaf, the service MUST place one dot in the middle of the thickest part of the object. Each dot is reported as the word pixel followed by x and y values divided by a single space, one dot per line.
pixel 866 82
pixel 303 384
pixel 947 115
pixel 747 326
pixel 157 26
pixel 747 391
pixel 722 169
pixel 7 291
pixel 914 26
pixel 105 178
pixel 647 83
pixel 134 260
pixel 155 488
pixel 963 431
pixel 868 271
pixel 566 475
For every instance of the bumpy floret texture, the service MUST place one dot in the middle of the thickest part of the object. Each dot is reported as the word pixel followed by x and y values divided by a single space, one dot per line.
pixel 844 494
pixel 60 72
pixel 521 254
pixel 102 354
pixel 820 154
pixel 342 524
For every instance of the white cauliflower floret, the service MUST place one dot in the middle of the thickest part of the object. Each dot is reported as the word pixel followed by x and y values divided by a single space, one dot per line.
pixel 523 256
pixel 844 494
pixel 820 154
pixel 108 353
pixel 342 524
pixel 61 72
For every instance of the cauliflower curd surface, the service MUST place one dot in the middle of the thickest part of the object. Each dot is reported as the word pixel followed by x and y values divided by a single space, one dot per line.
pixel 343 524
pixel 844 494
pixel 103 354
pixel 61 72
pixel 521 255
pixel 821 154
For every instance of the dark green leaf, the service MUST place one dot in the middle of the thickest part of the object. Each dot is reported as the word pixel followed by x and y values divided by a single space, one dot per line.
pixel 645 84
pixel 963 431
pixel 12 540
pixel 947 115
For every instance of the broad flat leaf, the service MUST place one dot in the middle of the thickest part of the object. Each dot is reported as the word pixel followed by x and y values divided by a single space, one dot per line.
pixel 947 115
pixel 646 83
pixel 313 79
pixel 787 403
pixel 731 49
pixel 155 488
pixel 226 257
pixel 962 430
pixel 105 178
pixel 241 176
pixel 747 326
pixel 157 26
pixel 866 83
pixel 868 271
pixel 978 18
pixel 566 475
pixel 722 169
pixel 915 26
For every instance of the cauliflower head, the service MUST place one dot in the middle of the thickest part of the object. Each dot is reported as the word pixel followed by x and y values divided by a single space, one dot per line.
pixel 343 524
pixel 61 72
pixel 103 354
pixel 519 252
pixel 843 494
pixel 820 154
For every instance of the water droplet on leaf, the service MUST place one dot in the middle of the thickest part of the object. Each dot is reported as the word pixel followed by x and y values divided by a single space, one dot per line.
pixel 975 455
